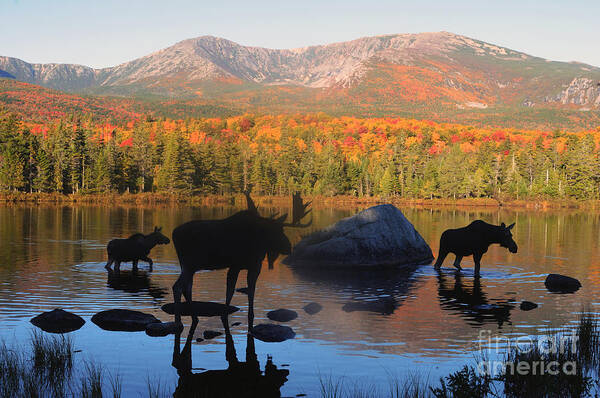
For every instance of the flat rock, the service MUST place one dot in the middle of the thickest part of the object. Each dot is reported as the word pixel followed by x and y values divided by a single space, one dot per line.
pixel 123 320
pixel 282 315
pixel 312 308
pixel 377 236
pixel 160 329
pixel 200 308
pixel 557 283
pixel 58 321
pixel 236 323
pixel 528 306
pixel 210 334
pixel 271 333
pixel 384 306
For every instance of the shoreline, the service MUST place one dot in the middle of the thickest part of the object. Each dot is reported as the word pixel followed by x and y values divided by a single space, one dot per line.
pixel 238 200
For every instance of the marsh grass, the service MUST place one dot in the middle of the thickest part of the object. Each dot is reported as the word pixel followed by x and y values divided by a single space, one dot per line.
pixel 579 351
pixel 156 388
pixel 47 369
pixel 92 380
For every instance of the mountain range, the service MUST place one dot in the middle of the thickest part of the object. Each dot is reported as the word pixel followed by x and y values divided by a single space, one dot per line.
pixel 433 75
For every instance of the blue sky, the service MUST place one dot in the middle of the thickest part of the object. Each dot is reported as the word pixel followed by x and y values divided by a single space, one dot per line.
pixel 109 32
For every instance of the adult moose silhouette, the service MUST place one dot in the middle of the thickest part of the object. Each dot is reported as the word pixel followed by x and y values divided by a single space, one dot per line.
pixel 240 379
pixel 135 248
pixel 474 239
pixel 238 242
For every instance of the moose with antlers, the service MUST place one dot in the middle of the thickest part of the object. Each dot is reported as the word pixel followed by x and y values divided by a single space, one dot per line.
pixel 238 242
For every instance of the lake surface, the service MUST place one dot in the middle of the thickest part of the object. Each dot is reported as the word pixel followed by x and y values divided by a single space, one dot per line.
pixel 54 257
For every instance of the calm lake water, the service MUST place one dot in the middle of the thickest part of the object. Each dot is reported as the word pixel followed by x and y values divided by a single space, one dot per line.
pixel 54 257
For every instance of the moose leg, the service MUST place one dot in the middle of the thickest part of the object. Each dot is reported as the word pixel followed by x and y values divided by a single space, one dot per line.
pixel 232 276
pixel 457 262
pixel 252 277
pixel 149 261
pixel 134 267
pixel 117 266
pixel 109 263
pixel 441 257
pixel 477 260
pixel 183 285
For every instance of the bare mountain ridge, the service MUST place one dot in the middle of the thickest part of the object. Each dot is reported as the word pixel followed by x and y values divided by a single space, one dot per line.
pixel 487 73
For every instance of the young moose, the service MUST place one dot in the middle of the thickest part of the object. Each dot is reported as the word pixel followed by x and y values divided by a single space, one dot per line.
pixel 474 239
pixel 238 242
pixel 135 248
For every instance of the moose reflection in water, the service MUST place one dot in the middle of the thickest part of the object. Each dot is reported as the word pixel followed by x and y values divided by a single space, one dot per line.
pixel 471 302
pixel 134 282
pixel 474 239
pixel 240 379
pixel 135 248
pixel 238 242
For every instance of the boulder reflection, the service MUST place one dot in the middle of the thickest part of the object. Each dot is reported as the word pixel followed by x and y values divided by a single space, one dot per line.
pixel 379 290
pixel 468 299
pixel 240 379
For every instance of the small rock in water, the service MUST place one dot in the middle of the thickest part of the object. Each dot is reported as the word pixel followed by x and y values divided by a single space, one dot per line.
pixel 200 308
pixel 312 308
pixel 384 306
pixel 528 306
pixel 243 290
pixel 236 323
pixel 271 333
pixel 160 329
pixel 282 315
pixel 123 320
pixel 210 334
pixel 557 283
pixel 199 340
pixel 58 321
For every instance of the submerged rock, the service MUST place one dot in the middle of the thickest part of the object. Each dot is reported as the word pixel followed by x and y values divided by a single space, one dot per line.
pixel 377 236
pixel 200 308
pixel 58 321
pixel 271 333
pixel 561 284
pixel 160 329
pixel 123 320
pixel 312 308
pixel 210 334
pixel 282 315
pixel 385 306
pixel 528 306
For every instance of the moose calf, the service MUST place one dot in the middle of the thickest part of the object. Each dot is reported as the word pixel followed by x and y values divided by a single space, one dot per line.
pixel 135 248
pixel 474 239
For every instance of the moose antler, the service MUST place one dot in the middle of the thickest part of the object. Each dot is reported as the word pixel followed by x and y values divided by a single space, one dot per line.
pixel 251 206
pixel 299 212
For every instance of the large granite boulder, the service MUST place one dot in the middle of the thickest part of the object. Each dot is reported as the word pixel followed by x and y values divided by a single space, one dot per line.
pixel 377 236
pixel 58 321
